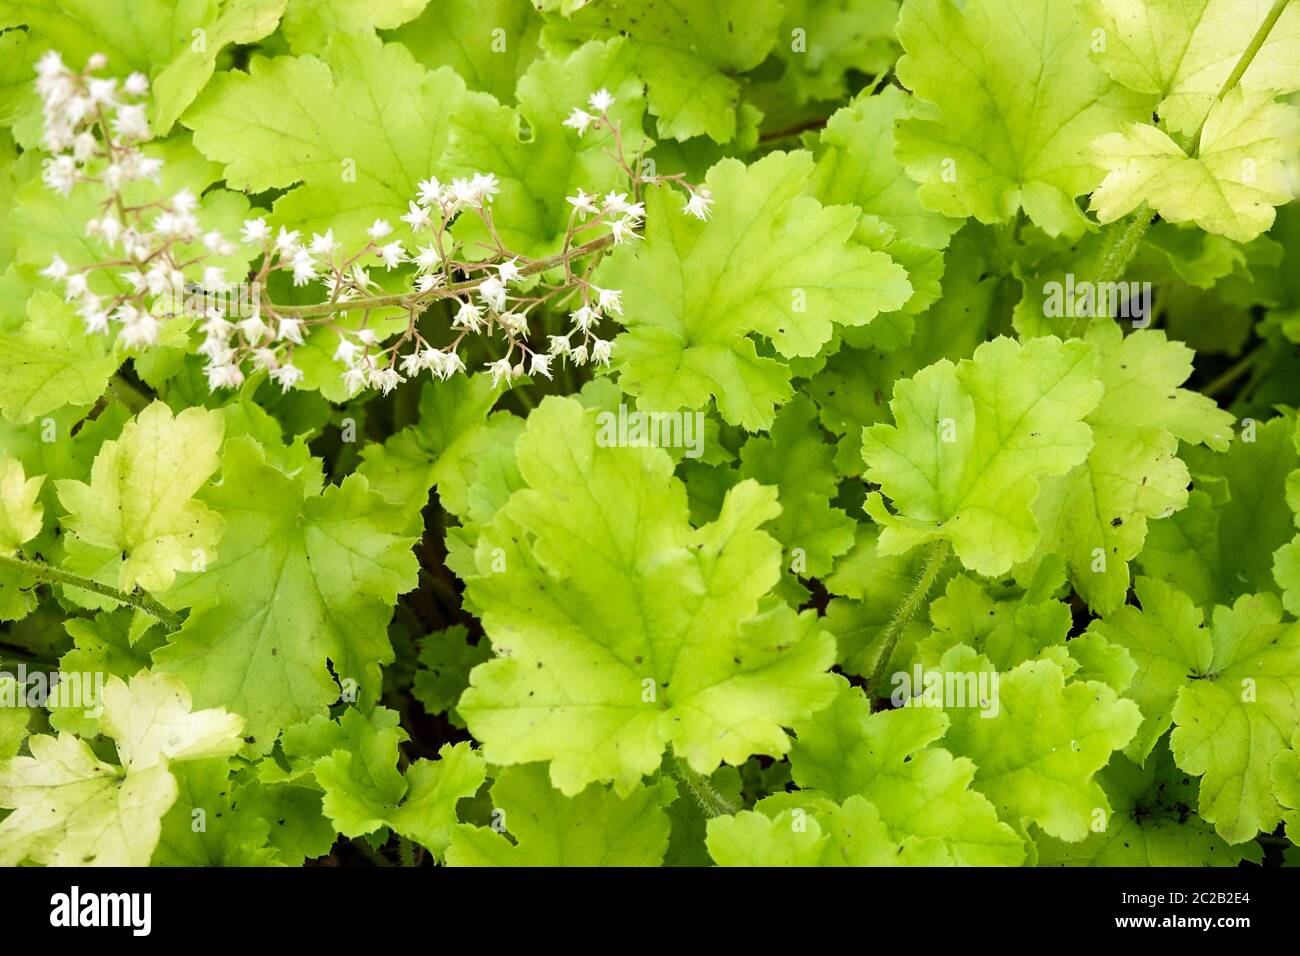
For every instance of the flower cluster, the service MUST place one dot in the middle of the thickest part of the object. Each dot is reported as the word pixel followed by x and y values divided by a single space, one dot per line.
pixel 163 261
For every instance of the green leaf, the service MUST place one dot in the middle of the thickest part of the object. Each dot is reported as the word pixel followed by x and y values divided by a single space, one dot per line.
pixel 48 361
pixel 771 261
pixel 538 170
pixel 596 827
pixel 809 829
pixel 920 791
pixel 138 515
pixel 1037 757
pixel 20 510
pixel 1151 823
pixel 489 43
pixel 1096 515
pixel 446 659
pixel 364 791
pixel 1183 50
pixel 181 80
pixel 1222 544
pixel 972 443
pixel 353 131
pixel 304 582
pixel 690 70
pixel 72 809
pixel 619 629
pixel 1005 132
pixel 1228 187
pixel 796 458
pixel 1235 716
pixel 309 24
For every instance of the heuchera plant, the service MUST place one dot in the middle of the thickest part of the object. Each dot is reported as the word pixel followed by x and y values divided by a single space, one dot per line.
pixel 744 432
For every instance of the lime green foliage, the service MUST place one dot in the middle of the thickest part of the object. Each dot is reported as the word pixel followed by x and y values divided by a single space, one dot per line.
pixel 960 571
pixel 620 629
pixel 1005 132
pixel 772 261
pixel 72 809
pixel 597 827
pixel 138 514
pixel 972 443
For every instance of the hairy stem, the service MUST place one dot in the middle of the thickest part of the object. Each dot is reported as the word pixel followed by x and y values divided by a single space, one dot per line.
pixel 408 300
pixel 44 572
pixel 935 557
pixel 711 802
pixel 1121 245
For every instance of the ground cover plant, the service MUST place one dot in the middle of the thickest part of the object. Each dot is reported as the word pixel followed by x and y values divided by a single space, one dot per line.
pixel 649 432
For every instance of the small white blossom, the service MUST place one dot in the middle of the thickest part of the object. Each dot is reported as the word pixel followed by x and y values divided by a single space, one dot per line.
pixel 493 293
pixel 289 330
pixel 255 232
pixel 698 204
pixel 324 244
pixel 427 259
pixel 367 336
pixel 468 316
pixel 500 369
pixel 286 375
pixel 622 229
pixel 540 365
pixel 579 120
pixel 601 100
pixel 56 270
pixel 583 203
pixel 584 318
pixel 417 217
pixel 610 300
pixel 600 350
pixel 430 191
pixel 379 229
pixel 137 84
pixel 391 255
pixel 347 352
pixel 509 271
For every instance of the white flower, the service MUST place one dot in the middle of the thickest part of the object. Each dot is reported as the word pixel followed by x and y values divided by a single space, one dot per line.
pixel 324 244
pixel 468 316
pixel 289 330
pixel 391 255
pixel 347 352
pixel 513 322
pixel 379 229
pixel 584 318
pixel 509 271
pixel 131 122
pixel 559 344
pixel 582 202
pixel 430 190
pixel 367 336
pixel 96 61
pixel 286 375
pixel 540 365
pixel 615 202
pixel 304 267
pixel 412 362
pixel 139 330
pixel 255 232
pixel 286 243
pixel 451 365
pixel 579 120
pixel 624 228
pixel 50 65
pixel 698 204
pixel 485 186
pixel 56 270
pixel 253 329
pixel 426 282
pixel 223 376
pixel 417 217
pixel 184 201
pixel 600 350
pixel 96 319
pixel 214 279
pixel 75 286
pixel 137 84
pixel 579 354
pixel 386 379
pixel 427 259
pixel 500 369
pixel 354 379
pixel 610 300
pixel 493 293
pixel 601 100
